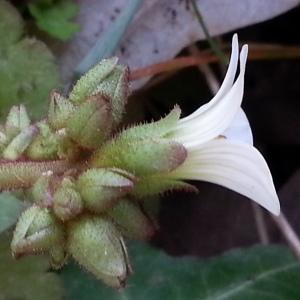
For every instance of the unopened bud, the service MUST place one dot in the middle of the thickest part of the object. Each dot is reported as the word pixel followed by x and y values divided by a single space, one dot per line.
pixel 60 109
pixel 17 121
pixel 20 143
pixel 45 145
pixel 98 246
pixel 141 157
pixel 131 221
pixel 91 121
pixel 101 189
pixel 36 232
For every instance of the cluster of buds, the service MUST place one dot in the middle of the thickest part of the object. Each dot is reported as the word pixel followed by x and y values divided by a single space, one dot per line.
pixel 86 179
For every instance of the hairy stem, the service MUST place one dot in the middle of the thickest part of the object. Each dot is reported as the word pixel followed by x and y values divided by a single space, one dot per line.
pixel 21 174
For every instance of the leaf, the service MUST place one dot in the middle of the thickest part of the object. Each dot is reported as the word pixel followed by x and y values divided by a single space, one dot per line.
pixel 259 272
pixel 28 278
pixel 27 72
pixel 161 28
pixel 55 18
pixel 10 209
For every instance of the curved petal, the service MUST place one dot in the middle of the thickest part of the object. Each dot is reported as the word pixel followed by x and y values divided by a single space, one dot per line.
pixel 234 165
pixel 239 129
pixel 212 122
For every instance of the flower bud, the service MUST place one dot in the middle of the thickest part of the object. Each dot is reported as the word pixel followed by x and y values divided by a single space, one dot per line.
pixel 91 121
pixel 45 145
pixel 67 203
pixel 88 83
pixel 41 191
pixel 58 256
pixel 131 221
pixel 19 144
pixel 17 120
pixel 37 231
pixel 142 157
pixel 101 189
pixel 60 109
pixel 116 87
pixel 3 139
pixel 98 246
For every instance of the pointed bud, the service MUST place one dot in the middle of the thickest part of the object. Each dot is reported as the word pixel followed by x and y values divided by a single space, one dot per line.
pixel 131 221
pixel 58 257
pixel 67 203
pixel 116 87
pixel 60 109
pixel 141 157
pixel 91 121
pixel 101 189
pixel 98 246
pixel 17 121
pixel 45 145
pixel 36 232
pixel 89 82
pixel 19 144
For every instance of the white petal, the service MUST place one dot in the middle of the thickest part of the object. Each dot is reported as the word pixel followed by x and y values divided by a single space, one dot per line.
pixel 239 129
pixel 211 122
pixel 234 165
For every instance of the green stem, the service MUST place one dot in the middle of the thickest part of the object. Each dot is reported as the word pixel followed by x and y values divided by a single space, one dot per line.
pixel 211 42
pixel 20 174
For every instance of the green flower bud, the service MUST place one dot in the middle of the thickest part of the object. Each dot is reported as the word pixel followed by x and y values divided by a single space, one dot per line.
pixel 131 221
pixel 60 109
pixel 45 145
pixel 142 157
pixel 91 121
pixel 67 203
pixel 3 139
pixel 17 120
pixel 116 87
pixel 58 257
pixel 88 83
pixel 37 231
pixel 98 246
pixel 101 189
pixel 19 144
pixel 41 191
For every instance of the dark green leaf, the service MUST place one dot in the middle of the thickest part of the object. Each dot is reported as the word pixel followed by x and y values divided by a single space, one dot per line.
pixel 260 273
pixel 55 19
pixel 26 279
pixel 10 209
pixel 28 72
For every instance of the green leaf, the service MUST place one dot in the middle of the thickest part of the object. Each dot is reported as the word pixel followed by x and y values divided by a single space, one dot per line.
pixel 28 278
pixel 54 19
pixel 10 210
pixel 259 272
pixel 28 72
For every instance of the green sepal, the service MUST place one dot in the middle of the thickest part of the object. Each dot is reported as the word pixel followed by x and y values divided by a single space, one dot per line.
pixel 97 245
pixel 41 190
pixel 142 157
pixel 155 129
pixel 45 145
pixel 58 256
pixel 37 231
pixel 91 121
pixel 158 184
pixel 60 109
pixel 67 203
pixel 116 87
pixel 17 120
pixel 20 143
pixel 132 221
pixel 102 188
pixel 89 82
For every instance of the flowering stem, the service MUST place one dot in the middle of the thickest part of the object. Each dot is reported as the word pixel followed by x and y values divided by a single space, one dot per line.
pixel 20 174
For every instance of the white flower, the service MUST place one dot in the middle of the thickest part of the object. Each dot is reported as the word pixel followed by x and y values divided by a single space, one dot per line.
pixel 218 139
